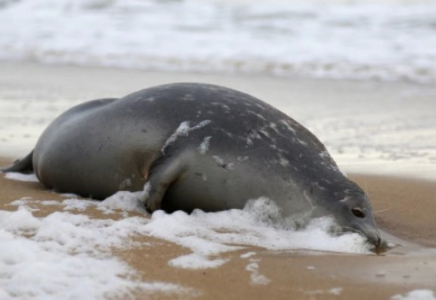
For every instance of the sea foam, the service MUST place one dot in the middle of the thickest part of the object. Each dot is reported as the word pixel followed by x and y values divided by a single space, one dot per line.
pixel 67 256
pixel 416 295
pixel 57 254
pixel 22 177
pixel 383 40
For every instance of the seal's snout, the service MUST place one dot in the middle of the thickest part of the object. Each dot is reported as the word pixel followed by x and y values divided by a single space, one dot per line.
pixel 373 238
pixel 379 244
pixel 371 233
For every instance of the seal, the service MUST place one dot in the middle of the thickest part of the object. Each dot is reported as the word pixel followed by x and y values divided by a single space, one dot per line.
pixel 196 146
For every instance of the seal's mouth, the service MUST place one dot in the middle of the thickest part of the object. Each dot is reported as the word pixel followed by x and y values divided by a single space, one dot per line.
pixel 372 235
pixel 380 245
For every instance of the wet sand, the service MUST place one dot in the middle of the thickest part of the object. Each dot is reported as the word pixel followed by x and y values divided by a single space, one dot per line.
pixel 404 208
pixel 386 145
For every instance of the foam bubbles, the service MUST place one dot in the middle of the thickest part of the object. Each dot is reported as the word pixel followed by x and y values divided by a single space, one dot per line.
pixel 229 37
pixel 127 201
pixel 416 295
pixel 67 256
pixel 62 252
pixel 259 224
pixel 210 234
pixel 22 177
pixel 196 261
pixel 255 277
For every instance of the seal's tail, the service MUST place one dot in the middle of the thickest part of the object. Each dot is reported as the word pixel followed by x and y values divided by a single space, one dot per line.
pixel 24 165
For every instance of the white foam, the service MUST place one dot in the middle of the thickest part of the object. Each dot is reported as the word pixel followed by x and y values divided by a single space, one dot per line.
pixel 69 195
pixel 416 295
pixel 333 291
pixel 248 254
pixel 22 177
pixel 126 201
pixel 196 261
pixel 210 234
pixel 253 268
pixel 255 277
pixel 336 291
pixel 52 240
pixel 229 36
pixel 73 204
pixel 66 256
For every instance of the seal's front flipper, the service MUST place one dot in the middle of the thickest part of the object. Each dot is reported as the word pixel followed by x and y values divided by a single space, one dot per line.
pixel 161 177
pixel 24 165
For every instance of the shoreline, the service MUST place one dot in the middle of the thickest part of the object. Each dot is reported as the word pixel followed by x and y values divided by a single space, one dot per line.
pixel 371 127
pixel 392 216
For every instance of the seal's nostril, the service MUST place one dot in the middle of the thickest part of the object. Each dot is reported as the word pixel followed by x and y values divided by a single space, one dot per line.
pixel 378 242
pixel 358 213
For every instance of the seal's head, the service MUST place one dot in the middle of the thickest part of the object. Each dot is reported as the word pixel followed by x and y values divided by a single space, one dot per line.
pixel 350 207
pixel 357 217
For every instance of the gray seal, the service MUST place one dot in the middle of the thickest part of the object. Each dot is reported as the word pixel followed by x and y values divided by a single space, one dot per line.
pixel 196 146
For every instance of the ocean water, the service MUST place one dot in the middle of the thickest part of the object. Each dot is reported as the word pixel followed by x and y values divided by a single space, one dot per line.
pixel 389 40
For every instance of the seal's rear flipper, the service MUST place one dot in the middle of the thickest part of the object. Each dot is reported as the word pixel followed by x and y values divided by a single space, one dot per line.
pixel 24 165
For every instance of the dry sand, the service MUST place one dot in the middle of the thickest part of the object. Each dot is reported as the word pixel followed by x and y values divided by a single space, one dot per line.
pixel 403 207
pixel 368 127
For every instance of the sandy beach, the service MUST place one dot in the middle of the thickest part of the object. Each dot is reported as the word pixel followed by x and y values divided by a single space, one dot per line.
pixel 374 130
pixel 291 274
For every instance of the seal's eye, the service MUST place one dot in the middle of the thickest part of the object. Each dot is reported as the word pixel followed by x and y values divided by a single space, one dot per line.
pixel 358 213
